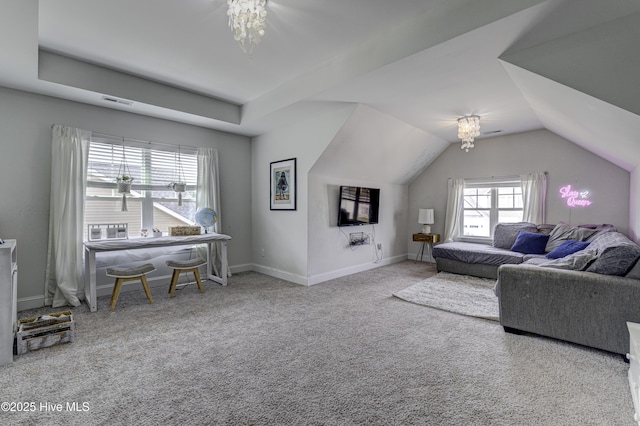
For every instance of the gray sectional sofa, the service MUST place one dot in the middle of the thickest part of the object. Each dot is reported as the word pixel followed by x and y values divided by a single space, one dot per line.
pixel 584 297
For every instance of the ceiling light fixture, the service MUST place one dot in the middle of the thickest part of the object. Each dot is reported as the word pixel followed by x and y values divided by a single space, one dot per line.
pixel 468 129
pixel 247 19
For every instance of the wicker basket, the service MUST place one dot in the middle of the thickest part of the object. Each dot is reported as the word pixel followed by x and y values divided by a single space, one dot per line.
pixel 181 231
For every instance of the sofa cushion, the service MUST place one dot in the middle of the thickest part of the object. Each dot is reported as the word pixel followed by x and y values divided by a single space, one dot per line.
pixel 563 232
pixel 600 228
pixel 616 260
pixel 534 259
pixel 566 248
pixel 476 253
pixel 530 243
pixel 577 261
pixel 545 228
pixel 505 234
pixel 609 239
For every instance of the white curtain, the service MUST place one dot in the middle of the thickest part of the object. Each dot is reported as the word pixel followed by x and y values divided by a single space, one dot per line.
pixel 64 278
pixel 534 195
pixel 208 195
pixel 454 209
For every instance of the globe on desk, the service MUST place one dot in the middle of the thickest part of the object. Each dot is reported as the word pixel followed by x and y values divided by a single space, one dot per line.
pixel 206 217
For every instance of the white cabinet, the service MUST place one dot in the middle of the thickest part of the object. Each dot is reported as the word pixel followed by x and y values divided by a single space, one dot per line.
pixel 8 299
pixel 634 367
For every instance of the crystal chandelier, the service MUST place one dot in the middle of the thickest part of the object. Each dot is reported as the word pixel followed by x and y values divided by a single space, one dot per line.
pixel 468 129
pixel 247 19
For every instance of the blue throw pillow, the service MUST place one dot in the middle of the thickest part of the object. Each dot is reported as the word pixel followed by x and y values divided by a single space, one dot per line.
pixel 566 248
pixel 530 243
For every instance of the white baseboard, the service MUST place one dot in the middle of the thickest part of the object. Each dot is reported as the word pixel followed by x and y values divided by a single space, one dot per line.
pixel 319 278
pixel 326 276
pixel 236 269
pixel 32 302
pixel 283 275
pixel 106 289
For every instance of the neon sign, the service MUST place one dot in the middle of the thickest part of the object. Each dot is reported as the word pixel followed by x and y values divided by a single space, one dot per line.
pixel 575 198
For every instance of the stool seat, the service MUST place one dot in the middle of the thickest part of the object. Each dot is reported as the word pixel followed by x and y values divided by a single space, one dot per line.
pixel 130 272
pixel 179 266
pixel 123 274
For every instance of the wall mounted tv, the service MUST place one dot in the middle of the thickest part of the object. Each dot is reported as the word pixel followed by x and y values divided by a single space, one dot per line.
pixel 358 206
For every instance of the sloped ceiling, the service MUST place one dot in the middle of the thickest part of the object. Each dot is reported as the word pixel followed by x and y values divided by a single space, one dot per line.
pixel 602 128
pixel 567 65
pixel 583 87
pixel 601 61
pixel 377 148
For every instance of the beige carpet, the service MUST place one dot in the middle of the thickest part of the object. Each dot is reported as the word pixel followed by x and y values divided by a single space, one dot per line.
pixel 262 351
pixel 461 294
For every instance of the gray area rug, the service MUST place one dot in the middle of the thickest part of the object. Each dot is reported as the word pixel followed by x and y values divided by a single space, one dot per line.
pixel 263 351
pixel 461 294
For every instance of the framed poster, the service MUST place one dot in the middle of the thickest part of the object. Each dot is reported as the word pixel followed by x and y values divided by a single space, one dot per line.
pixel 283 184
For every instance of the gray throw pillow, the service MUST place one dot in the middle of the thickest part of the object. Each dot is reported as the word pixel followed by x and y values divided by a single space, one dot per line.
pixel 505 234
pixel 545 228
pixel 577 261
pixel 609 239
pixel 600 229
pixel 563 232
pixel 616 260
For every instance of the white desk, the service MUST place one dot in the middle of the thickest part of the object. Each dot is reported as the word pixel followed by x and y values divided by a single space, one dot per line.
pixel 91 247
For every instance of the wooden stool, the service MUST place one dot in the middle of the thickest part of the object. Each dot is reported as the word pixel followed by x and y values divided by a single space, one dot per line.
pixel 129 274
pixel 180 266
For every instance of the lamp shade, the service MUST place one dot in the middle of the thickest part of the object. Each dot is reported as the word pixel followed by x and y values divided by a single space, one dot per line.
pixel 425 216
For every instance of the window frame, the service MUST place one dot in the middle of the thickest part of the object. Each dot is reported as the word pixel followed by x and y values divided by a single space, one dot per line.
pixel 143 185
pixel 493 184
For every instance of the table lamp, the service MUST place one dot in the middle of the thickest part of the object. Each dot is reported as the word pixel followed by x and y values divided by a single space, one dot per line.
pixel 425 218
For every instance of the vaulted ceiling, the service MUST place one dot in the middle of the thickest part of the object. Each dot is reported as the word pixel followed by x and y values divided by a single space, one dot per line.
pixel 565 65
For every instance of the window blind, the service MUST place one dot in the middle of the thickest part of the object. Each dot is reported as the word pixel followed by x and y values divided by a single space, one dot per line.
pixel 153 166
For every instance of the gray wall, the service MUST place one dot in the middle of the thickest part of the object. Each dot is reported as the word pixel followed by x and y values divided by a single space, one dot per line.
pixel 280 238
pixel 528 152
pixel 305 246
pixel 25 153
pixel 634 207
pixel 330 254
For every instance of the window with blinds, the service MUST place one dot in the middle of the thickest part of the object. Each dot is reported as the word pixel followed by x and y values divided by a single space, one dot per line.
pixel 488 202
pixel 152 203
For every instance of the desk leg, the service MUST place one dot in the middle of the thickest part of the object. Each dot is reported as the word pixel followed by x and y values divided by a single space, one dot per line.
pixel 225 264
pixel 90 279
pixel 224 270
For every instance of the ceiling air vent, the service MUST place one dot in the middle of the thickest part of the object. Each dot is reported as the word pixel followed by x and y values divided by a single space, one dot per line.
pixel 116 100
pixel 492 132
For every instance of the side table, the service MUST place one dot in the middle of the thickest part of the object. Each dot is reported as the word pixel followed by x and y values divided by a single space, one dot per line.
pixel 428 240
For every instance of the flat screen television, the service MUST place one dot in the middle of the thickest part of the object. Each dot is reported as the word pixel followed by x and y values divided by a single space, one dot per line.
pixel 358 206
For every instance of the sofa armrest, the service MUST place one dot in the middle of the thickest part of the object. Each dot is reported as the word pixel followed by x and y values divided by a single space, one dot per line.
pixel 581 307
